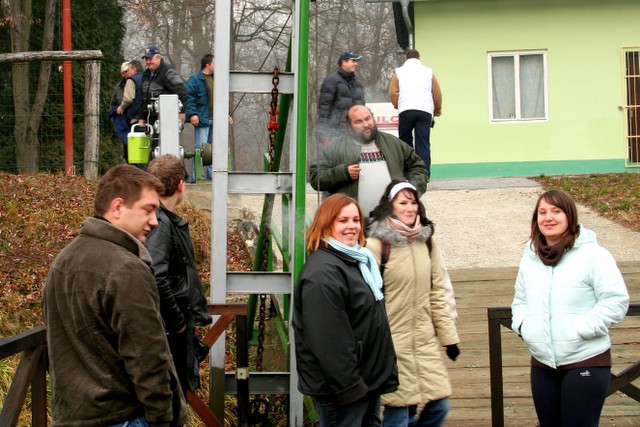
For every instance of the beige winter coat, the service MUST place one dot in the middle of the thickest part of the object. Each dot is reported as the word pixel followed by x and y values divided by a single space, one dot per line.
pixel 419 315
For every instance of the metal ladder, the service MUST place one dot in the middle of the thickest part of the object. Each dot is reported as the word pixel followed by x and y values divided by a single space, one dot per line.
pixel 278 183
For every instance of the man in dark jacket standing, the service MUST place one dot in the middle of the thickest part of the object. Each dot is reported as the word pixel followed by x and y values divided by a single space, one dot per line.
pixel 109 358
pixel 159 79
pixel 340 91
pixel 182 302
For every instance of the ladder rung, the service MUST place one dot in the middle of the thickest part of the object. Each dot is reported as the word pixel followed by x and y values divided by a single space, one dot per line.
pixel 258 282
pixel 260 182
pixel 260 383
pixel 257 82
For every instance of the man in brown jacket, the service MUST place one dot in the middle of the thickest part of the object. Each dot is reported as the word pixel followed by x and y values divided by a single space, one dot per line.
pixel 109 358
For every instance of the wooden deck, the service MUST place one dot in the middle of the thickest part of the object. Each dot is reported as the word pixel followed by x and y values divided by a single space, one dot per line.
pixel 478 289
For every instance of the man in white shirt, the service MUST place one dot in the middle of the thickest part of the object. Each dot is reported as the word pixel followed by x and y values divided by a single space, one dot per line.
pixel 415 92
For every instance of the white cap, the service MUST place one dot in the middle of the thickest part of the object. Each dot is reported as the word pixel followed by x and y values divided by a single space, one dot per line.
pixel 400 186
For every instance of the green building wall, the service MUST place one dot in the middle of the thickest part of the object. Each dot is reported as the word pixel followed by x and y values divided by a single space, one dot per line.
pixel 584 41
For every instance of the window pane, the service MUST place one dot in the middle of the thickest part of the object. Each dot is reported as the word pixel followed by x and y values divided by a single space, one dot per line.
pixel 532 87
pixel 502 77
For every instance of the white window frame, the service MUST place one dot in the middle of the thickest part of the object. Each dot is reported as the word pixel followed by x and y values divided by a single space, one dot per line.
pixel 518 114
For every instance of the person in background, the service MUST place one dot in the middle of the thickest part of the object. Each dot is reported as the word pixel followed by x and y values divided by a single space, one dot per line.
pixel 109 358
pixel 128 105
pixel 132 94
pixel 569 292
pixel 416 302
pixel 182 302
pixel 344 352
pixel 339 91
pixel 119 121
pixel 362 162
pixel 200 108
pixel 415 92
pixel 159 78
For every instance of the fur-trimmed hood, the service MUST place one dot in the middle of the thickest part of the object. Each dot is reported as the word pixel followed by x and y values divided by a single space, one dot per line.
pixel 383 231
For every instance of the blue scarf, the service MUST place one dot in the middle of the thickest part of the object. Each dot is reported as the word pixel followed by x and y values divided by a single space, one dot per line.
pixel 366 262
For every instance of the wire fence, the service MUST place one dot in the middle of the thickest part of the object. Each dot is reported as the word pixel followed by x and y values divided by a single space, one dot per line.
pixel 43 131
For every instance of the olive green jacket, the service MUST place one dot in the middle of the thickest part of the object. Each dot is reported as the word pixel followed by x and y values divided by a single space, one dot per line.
pixel 331 174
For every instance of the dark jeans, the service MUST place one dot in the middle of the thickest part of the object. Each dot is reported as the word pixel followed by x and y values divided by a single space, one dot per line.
pixel 569 398
pixel 178 347
pixel 421 122
pixel 136 422
pixel 362 413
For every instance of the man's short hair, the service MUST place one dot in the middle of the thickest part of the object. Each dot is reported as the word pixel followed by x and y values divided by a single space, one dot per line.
pixel 126 182
pixel 137 65
pixel 206 60
pixel 170 170
pixel 347 118
pixel 412 53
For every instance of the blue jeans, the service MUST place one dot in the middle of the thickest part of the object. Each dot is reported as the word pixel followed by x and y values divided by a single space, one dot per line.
pixel 362 413
pixel 203 135
pixel 420 121
pixel 136 422
pixel 432 415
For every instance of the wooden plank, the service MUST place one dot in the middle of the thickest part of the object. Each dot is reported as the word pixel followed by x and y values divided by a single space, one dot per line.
pixel 24 374
pixel 22 341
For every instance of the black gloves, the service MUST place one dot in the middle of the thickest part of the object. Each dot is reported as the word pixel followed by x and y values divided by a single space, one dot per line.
pixel 453 351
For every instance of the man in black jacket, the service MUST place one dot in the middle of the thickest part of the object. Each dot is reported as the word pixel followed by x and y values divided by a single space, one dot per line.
pixel 159 79
pixel 183 305
pixel 339 92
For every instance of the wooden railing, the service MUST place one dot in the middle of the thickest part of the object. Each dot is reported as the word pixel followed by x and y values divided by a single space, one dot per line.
pixel 501 316
pixel 32 370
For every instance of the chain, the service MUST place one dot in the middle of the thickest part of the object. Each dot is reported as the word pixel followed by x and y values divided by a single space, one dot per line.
pixel 272 127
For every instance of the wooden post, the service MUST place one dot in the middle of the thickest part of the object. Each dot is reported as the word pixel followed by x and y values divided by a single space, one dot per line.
pixel 91 119
pixel 495 315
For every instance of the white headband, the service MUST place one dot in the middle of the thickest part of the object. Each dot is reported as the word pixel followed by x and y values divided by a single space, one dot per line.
pixel 400 186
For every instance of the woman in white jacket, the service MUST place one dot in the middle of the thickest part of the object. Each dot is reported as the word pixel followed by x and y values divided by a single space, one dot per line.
pixel 568 293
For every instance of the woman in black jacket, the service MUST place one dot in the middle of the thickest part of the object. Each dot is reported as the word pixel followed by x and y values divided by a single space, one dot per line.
pixel 345 356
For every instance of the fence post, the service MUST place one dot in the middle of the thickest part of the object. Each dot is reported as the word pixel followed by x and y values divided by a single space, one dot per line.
pixel 91 122
pixel 495 368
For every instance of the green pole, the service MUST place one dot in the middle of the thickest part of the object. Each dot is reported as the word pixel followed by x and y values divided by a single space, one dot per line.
pixel 302 100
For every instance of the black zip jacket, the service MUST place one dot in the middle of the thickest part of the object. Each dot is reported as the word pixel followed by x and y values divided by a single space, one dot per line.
pixel 342 336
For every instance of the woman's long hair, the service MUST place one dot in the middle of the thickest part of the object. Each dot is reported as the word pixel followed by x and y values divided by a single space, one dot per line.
pixel 326 214
pixel 564 201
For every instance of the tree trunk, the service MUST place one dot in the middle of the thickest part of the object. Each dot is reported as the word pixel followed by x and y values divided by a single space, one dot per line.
pixel 28 117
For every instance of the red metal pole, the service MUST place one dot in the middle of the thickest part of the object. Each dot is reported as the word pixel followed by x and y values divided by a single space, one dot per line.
pixel 68 97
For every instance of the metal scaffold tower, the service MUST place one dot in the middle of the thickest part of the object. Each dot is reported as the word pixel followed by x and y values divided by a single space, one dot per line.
pixel 290 185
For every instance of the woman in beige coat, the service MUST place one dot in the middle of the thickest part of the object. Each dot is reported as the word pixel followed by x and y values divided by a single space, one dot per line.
pixel 400 237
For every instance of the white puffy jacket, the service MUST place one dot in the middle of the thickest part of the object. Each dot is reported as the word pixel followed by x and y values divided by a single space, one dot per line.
pixel 564 312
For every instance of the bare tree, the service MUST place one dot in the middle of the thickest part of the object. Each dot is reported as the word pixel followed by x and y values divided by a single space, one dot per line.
pixel 28 115
pixel 260 41
pixel 183 29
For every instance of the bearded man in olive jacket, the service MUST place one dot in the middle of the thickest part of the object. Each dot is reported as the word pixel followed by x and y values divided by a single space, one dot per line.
pixel 362 162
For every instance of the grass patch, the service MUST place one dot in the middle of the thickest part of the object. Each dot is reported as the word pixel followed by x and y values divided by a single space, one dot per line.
pixel 616 196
